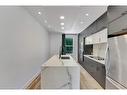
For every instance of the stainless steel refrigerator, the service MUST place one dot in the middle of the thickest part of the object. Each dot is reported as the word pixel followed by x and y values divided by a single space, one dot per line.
pixel 116 65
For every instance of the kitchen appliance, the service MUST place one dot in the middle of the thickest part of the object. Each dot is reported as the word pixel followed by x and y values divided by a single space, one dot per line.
pixel 116 65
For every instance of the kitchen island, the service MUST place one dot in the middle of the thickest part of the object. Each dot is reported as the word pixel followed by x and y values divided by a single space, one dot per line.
pixel 60 73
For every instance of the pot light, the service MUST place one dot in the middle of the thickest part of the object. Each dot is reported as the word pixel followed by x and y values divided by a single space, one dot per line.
pixel 62 28
pixel 62 23
pixel 81 22
pixel 49 26
pixel 61 17
pixel 45 21
pixel 87 14
pixel 39 13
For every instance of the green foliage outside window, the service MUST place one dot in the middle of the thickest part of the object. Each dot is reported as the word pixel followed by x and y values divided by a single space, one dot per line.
pixel 69 45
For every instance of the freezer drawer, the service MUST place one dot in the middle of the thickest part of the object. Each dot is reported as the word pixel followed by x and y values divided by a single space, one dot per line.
pixel 111 84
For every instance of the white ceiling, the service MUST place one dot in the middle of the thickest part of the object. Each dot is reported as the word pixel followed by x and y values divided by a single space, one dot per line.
pixel 75 19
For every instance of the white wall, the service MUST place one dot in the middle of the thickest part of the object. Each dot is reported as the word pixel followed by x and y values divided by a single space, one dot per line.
pixel 55 43
pixel 75 45
pixel 24 46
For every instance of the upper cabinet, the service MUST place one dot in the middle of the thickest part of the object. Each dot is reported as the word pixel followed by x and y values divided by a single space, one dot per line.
pixel 114 12
pixel 89 40
pixel 103 36
pixel 118 26
pixel 99 37
pixel 117 18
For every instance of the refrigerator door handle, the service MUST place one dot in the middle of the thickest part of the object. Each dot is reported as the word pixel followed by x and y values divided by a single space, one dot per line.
pixel 107 61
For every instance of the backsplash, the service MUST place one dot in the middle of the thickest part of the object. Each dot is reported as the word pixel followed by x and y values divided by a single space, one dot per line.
pixel 88 49
pixel 100 50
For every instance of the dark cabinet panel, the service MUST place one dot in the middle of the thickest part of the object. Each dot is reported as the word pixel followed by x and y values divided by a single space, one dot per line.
pixel 101 23
pixel 101 74
pixel 114 12
pixel 117 19
pixel 118 26
pixel 92 28
pixel 97 70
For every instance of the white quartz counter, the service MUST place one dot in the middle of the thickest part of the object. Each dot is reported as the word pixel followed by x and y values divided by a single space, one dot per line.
pixel 99 61
pixel 55 61
pixel 60 73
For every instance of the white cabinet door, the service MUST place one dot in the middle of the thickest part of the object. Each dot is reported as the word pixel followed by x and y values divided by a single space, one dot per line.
pixel 88 40
pixel 91 39
pixel 95 38
pixel 100 37
pixel 103 36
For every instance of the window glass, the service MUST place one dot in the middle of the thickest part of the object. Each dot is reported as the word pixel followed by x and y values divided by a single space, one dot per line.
pixel 69 45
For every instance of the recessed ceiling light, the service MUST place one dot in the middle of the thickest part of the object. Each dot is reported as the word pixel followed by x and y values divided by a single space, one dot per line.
pixel 61 17
pixel 49 26
pixel 62 28
pixel 39 13
pixel 87 14
pixel 81 22
pixel 62 23
pixel 45 21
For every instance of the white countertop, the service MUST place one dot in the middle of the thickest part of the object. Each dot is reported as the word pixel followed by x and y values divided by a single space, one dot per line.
pixel 55 61
pixel 99 61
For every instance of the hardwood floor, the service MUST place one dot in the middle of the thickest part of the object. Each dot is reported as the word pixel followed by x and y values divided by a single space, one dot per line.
pixel 36 83
pixel 86 81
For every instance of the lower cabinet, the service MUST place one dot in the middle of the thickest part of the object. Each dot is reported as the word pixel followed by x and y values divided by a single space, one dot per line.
pixel 96 70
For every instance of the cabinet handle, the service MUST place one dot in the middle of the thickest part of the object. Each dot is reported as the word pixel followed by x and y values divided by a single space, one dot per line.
pixel 124 13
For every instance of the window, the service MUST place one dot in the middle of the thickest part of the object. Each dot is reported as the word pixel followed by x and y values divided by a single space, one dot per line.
pixel 69 45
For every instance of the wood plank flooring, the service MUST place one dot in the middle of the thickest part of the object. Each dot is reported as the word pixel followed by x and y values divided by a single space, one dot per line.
pixel 36 83
pixel 86 81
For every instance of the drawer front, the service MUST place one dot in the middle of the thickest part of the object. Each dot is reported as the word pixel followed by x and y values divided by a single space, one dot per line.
pixel 115 12
pixel 119 25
